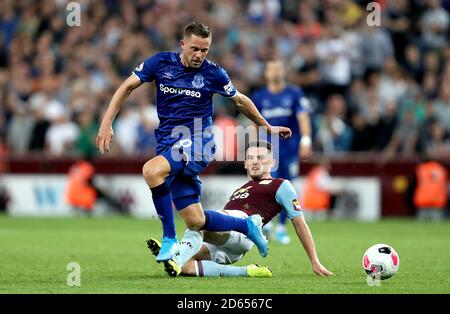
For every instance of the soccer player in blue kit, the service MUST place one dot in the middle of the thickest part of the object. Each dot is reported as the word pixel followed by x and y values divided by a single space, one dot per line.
pixel 283 104
pixel 185 83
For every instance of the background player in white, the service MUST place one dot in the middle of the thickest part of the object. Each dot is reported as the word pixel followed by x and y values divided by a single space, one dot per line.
pixel 262 195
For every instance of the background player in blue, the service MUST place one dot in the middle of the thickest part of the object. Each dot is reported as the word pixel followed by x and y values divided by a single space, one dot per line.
pixel 283 104
pixel 264 195
pixel 185 83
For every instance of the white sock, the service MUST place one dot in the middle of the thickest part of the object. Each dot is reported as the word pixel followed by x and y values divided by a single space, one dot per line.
pixel 189 245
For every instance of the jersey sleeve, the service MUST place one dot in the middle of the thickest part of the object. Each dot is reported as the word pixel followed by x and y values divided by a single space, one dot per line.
pixel 223 84
pixel 287 198
pixel 147 69
pixel 302 103
pixel 256 100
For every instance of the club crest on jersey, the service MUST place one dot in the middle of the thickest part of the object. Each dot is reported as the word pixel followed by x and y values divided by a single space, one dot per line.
pixel 198 81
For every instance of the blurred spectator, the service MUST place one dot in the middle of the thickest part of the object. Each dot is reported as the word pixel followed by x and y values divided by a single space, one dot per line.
pixel 227 144
pixel 61 135
pixel 308 28
pixel 386 126
pixel 442 106
pixel 85 142
pixel 19 130
pixel 376 46
pixel 126 127
pixel 398 23
pixel 405 137
pixel 82 193
pixel 392 85
pixel 318 190
pixel 333 134
pixel 413 62
pixel 438 145
pixel 40 126
pixel 334 61
pixel 363 134
pixel 431 193
pixel 306 72
pixel 434 24
pixel 146 141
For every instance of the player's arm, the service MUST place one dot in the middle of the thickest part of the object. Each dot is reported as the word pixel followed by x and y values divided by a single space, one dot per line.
pixel 287 198
pixel 302 110
pixel 305 130
pixel 248 108
pixel 105 133
pixel 306 238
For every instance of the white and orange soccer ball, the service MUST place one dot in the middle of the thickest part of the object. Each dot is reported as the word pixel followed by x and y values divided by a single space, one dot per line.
pixel 381 261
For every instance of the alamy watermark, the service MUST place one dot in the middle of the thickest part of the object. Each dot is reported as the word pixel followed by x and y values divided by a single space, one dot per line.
pixel 73 279
pixel 198 143
pixel 374 280
pixel 73 14
pixel 374 17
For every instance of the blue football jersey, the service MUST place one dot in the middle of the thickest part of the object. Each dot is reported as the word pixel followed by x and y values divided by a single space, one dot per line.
pixel 184 95
pixel 281 109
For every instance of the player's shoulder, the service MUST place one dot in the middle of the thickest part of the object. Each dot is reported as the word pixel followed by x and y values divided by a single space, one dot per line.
pixel 169 56
pixel 294 89
pixel 213 67
pixel 279 180
pixel 261 91
pixel 282 182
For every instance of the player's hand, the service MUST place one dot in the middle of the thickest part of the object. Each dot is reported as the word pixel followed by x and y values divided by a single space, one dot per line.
pixel 104 138
pixel 320 270
pixel 282 131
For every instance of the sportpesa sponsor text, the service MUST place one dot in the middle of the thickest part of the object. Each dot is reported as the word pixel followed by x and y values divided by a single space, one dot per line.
pixel 181 91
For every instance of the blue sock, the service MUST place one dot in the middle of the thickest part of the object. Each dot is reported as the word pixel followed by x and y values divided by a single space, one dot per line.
pixel 163 204
pixel 216 221
pixel 212 269
pixel 282 218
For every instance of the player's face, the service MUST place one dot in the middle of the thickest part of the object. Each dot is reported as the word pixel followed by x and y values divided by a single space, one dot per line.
pixel 258 163
pixel 274 71
pixel 194 50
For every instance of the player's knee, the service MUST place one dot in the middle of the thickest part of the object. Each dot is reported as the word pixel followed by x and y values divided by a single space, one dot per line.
pixel 195 222
pixel 153 173
pixel 188 268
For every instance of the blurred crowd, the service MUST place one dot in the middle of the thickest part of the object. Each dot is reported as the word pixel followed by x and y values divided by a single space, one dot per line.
pixel 382 88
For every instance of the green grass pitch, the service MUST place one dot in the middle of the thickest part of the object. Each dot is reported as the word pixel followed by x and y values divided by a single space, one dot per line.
pixel 113 257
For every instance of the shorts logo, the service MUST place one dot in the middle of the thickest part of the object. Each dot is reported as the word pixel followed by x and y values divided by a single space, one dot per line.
pixel 198 81
pixel 140 67
pixel 296 205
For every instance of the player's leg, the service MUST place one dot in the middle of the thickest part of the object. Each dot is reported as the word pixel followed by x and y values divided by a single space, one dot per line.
pixel 214 258
pixel 212 220
pixel 155 172
pixel 203 265
pixel 192 240
pixel 186 192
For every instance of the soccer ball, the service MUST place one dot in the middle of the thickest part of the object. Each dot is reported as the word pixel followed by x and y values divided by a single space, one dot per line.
pixel 381 261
